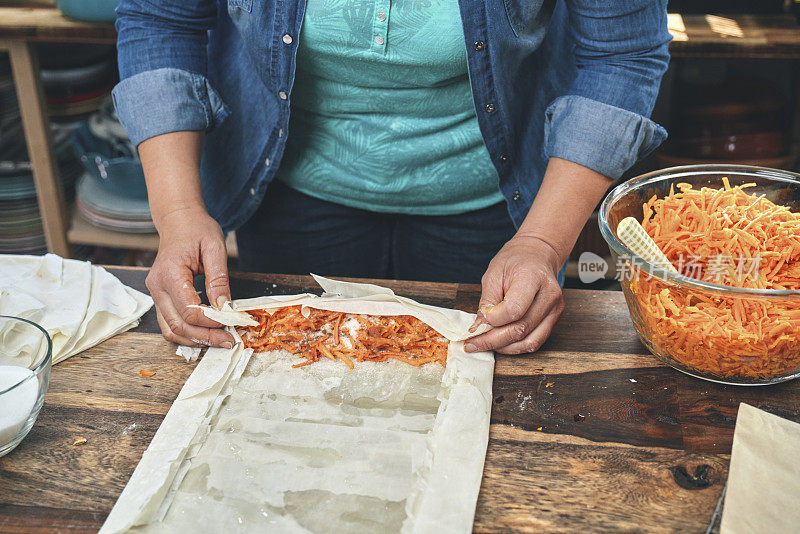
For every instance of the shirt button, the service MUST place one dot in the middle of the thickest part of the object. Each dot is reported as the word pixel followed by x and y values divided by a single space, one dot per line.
pixel 516 195
pixel 287 38
pixel 479 45
pixel 503 158
pixel 283 95
pixel 379 39
pixel 381 15
pixel 252 191
pixel 267 162
pixel 280 132
pixel 489 108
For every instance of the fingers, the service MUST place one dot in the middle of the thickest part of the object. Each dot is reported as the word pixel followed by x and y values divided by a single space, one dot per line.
pixel 215 265
pixel 533 341
pixel 189 247
pixel 527 331
pixel 516 300
pixel 170 336
pixel 182 294
pixel 491 294
pixel 498 337
pixel 179 331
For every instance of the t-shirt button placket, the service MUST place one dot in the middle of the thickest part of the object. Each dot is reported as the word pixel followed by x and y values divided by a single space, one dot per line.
pixel 379 29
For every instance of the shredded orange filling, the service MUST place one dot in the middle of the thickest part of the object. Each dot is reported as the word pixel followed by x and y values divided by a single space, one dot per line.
pixel 726 231
pixel 345 337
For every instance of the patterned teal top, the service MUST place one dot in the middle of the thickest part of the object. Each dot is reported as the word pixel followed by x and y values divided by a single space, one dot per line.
pixel 382 112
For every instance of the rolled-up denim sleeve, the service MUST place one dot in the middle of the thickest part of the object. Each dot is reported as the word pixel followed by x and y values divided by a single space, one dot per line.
pixel 621 53
pixel 162 62
pixel 166 100
pixel 605 138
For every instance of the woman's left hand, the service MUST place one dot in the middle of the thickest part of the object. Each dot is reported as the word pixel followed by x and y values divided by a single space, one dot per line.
pixel 520 297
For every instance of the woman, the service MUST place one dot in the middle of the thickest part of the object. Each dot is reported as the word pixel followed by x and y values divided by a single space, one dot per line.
pixel 424 139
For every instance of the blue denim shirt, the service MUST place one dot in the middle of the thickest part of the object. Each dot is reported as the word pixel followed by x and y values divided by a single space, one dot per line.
pixel 574 79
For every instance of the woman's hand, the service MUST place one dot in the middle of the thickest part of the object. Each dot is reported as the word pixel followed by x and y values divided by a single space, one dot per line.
pixel 520 298
pixel 191 243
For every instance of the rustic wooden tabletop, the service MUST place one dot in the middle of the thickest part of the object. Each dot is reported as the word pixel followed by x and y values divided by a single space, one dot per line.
pixel 589 434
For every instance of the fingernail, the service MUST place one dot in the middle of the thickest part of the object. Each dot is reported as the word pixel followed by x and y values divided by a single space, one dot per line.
pixel 475 325
pixel 221 300
pixel 486 309
pixel 227 345
pixel 470 347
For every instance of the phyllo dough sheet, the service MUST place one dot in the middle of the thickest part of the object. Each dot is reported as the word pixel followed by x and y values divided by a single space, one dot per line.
pixel 254 445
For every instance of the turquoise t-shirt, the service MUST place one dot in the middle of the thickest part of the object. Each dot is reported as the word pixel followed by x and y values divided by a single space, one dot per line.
pixel 382 116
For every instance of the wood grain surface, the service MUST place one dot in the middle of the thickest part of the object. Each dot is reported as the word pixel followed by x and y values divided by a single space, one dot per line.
pixel 589 434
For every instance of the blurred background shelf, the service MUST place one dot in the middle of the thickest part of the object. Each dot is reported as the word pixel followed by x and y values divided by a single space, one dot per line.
pixel 763 35
pixel 34 23
pixel 81 232
pixel 743 36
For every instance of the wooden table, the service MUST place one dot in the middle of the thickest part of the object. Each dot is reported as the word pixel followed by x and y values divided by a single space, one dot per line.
pixel 590 434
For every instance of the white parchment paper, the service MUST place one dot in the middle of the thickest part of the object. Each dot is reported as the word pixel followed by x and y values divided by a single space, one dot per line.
pixel 763 492
pixel 251 444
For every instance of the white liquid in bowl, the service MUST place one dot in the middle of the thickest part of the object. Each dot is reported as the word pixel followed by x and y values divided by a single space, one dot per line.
pixel 16 405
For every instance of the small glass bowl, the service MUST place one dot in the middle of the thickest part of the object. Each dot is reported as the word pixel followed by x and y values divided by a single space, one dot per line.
pixel 709 353
pixel 26 355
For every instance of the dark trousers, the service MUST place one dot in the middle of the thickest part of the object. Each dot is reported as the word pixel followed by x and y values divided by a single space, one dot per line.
pixel 293 233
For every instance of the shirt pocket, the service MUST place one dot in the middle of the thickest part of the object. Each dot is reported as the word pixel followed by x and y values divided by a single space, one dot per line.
pixel 528 16
pixel 245 5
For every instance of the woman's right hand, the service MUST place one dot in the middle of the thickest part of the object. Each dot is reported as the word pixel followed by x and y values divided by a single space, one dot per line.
pixel 192 243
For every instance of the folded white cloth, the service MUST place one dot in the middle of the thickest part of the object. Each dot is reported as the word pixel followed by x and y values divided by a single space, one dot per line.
pixel 80 305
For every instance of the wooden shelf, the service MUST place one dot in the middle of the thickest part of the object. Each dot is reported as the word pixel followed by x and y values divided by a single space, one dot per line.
pixel 81 232
pixel 43 23
pixel 745 36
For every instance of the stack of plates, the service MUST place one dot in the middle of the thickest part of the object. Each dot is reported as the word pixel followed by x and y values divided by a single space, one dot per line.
pixel 20 226
pixel 112 193
pixel 21 229
pixel 107 209
pixel 12 141
pixel 77 79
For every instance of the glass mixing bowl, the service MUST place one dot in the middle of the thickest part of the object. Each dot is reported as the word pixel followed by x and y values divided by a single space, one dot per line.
pixel 26 354
pixel 706 350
